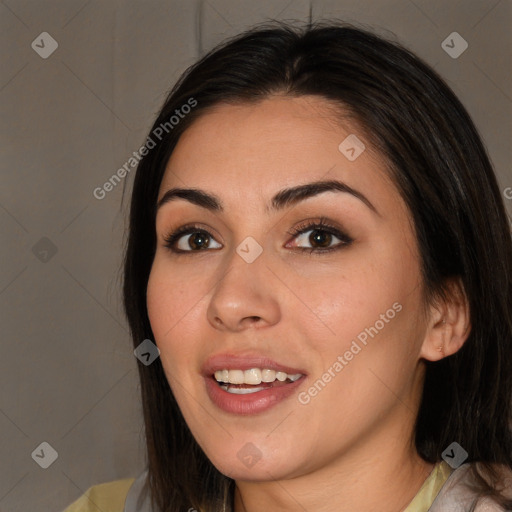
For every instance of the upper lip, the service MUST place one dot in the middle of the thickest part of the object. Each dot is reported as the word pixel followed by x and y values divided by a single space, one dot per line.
pixel 230 361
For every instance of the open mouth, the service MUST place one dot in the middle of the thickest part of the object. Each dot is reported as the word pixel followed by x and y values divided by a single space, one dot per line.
pixel 243 382
pixel 241 387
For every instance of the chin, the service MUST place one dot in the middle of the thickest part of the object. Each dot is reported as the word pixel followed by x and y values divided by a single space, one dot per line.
pixel 257 473
pixel 250 464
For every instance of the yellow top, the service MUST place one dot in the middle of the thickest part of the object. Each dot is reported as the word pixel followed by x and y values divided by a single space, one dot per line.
pixel 110 497
pixel 430 488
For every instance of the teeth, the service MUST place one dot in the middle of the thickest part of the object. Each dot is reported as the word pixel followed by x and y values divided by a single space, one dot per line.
pixel 254 376
pixel 236 377
pixel 240 391
pixel 268 375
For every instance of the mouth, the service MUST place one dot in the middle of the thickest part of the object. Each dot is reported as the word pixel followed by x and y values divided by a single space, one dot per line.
pixel 254 380
pixel 249 384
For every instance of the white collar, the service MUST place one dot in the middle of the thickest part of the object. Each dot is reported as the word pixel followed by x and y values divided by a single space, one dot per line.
pixel 135 502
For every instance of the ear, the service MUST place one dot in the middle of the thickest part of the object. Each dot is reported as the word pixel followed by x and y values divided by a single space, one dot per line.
pixel 448 326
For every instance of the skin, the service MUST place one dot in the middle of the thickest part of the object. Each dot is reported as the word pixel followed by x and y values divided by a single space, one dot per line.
pixel 350 447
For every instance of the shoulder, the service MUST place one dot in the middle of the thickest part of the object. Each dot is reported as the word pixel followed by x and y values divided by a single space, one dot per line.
pixel 107 497
pixel 460 491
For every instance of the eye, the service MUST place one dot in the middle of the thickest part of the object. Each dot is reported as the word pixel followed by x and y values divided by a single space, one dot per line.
pixel 198 239
pixel 321 236
pixel 192 238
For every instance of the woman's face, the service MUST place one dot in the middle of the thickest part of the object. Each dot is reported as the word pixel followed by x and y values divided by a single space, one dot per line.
pixel 246 293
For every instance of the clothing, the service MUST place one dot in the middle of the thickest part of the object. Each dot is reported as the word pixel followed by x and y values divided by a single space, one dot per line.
pixel 109 497
pixel 445 490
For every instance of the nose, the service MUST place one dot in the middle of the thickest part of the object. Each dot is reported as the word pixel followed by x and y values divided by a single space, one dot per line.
pixel 245 296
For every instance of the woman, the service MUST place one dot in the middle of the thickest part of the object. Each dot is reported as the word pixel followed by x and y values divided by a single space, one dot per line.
pixel 319 249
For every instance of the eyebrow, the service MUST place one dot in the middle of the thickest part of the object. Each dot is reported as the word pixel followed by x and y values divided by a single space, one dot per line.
pixel 283 199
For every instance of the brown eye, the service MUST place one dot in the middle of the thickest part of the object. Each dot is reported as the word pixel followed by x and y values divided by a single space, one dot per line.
pixel 321 236
pixel 198 240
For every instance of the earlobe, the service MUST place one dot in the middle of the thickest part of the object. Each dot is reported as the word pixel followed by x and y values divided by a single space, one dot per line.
pixel 449 324
pixel 440 348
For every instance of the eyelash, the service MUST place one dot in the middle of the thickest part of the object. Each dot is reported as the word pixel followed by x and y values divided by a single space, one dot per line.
pixel 321 225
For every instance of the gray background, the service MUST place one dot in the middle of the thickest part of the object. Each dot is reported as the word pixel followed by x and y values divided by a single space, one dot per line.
pixel 67 372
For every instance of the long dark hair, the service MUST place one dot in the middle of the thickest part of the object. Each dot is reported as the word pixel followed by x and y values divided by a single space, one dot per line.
pixel 439 165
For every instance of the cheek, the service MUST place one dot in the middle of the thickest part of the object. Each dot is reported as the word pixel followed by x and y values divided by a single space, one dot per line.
pixel 167 305
pixel 170 300
pixel 372 308
pixel 159 303
pixel 356 301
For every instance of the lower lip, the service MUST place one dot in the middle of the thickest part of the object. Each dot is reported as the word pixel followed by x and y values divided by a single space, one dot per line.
pixel 251 403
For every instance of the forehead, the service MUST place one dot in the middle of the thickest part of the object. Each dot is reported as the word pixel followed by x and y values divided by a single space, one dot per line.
pixel 247 152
